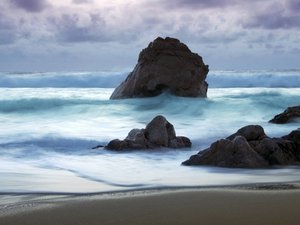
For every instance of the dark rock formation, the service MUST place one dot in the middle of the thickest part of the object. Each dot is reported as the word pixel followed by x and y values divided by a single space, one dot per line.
pixel 166 64
pixel 158 133
pixel 250 132
pixel 229 153
pixel 290 114
pixel 293 136
pixel 250 147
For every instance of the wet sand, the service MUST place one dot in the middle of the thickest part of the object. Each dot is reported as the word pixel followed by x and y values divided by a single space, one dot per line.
pixel 258 205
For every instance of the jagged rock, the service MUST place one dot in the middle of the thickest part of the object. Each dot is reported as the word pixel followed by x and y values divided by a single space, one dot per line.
pixel 293 136
pixel 250 147
pixel 158 133
pixel 229 153
pixel 166 64
pixel 290 114
pixel 250 132
pixel 278 151
pixel 180 142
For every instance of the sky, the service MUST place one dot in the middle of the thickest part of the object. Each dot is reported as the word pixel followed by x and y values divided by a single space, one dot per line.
pixel 88 35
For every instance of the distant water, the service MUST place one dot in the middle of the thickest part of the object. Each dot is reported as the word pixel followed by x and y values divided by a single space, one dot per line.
pixel 50 121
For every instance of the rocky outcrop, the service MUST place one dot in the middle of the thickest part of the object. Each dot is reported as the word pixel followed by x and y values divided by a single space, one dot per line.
pixel 165 65
pixel 158 133
pixel 250 147
pixel 290 114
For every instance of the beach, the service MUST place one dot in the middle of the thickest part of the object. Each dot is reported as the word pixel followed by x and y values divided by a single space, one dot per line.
pixel 253 205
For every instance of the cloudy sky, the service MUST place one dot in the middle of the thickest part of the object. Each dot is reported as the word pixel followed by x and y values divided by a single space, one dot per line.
pixel 76 35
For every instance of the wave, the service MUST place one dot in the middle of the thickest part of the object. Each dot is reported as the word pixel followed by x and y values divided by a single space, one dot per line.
pixel 227 79
pixel 216 79
pixel 98 100
pixel 40 104
pixel 61 80
pixel 39 146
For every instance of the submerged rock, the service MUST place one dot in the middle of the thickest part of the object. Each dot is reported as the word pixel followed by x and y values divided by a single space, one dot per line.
pixel 166 64
pixel 250 147
pixel 290 114
pixel 158 133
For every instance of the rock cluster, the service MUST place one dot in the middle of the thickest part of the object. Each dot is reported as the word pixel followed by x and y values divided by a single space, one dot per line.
pixel 287 116
pixel 165 65
pixel 158 133
pixel 250 147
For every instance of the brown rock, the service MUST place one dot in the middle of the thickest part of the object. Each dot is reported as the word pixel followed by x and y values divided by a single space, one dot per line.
pixel 293 136
pixel 278 151
pixel 117 145
pixel 158 133
pixel 290 114
pixel 166 64
pixel 250 132
pixel 250 147
pixel 235 153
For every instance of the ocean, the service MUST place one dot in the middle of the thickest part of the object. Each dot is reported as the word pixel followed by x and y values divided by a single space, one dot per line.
pixel 49 123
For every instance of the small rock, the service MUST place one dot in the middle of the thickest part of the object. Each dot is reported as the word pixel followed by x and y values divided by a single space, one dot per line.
pixel 290 114
pixel 250 132
pixel 158 133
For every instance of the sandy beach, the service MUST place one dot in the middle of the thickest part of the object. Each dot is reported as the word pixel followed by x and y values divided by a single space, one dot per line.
pixel 253 206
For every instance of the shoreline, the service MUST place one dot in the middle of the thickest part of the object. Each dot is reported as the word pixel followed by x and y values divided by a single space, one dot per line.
pixel 130 207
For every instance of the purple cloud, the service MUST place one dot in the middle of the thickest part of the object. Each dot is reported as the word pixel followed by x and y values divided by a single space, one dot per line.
pixel 31 5
pixel 294 5
pixel 273 21
pixel 68 30
pixel 197 3
pixel 276 16
pixel 7 31
pixel 81 1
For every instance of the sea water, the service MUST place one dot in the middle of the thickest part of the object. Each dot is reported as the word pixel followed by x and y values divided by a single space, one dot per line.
pixel 49 123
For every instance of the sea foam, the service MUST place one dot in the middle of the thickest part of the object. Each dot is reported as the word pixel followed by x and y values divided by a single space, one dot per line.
pixel 216 79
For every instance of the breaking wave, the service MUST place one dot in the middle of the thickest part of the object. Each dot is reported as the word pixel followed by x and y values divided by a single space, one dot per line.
pixel 216 79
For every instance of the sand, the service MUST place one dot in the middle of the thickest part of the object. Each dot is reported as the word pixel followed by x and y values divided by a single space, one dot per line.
pixel 208 206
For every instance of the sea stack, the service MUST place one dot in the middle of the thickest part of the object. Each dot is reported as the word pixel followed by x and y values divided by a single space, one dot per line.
pixel 165 65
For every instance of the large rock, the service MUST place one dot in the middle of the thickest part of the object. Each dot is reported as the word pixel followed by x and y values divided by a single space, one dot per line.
pixel 289 115
pixel 250 147
pixel 166 64
pixel 158 133
pixel 229 153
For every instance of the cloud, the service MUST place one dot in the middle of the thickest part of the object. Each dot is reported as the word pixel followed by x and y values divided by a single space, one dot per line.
pixel 196 4
pixel 274 21
pixel 275 16
pixel 294 5
pixel 31 5
pixel 6 37
pixel 82 1
pixel 7 30
pixel 75 28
